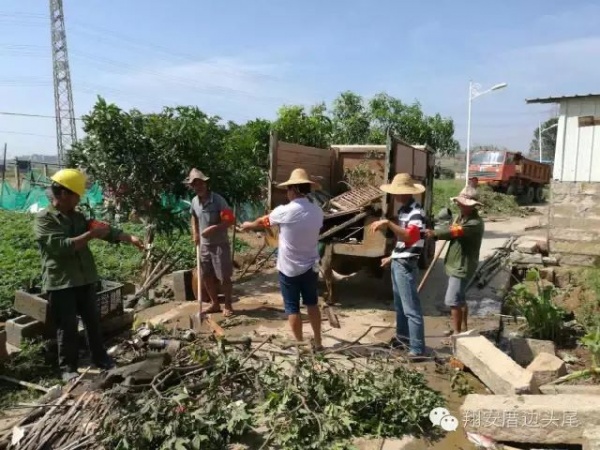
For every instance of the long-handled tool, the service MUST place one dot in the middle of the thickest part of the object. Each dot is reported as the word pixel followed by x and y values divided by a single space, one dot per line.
pixel 199 283
pixel 435 258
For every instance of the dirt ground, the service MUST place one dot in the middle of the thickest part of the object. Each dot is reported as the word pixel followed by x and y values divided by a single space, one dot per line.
pixel 367 302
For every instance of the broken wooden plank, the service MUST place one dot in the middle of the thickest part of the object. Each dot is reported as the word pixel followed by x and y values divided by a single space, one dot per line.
pixel 214 326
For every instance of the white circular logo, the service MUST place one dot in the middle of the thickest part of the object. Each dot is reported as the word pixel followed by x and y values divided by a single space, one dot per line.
pixel 449 423
pixel 437 414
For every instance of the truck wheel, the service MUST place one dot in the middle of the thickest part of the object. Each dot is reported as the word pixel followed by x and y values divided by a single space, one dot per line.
pixel 512 189
pixel 540 194
pixel 529 195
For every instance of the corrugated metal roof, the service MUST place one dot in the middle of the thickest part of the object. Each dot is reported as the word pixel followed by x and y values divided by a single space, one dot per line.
pixel 559 99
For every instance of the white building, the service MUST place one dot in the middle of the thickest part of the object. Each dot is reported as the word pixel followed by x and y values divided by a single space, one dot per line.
pixel 577 155
pixel 574 213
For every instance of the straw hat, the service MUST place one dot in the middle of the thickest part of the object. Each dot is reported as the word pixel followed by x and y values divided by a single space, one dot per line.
pixel 195 174
pixel 467 197
pixel 403 184
pixel 298 176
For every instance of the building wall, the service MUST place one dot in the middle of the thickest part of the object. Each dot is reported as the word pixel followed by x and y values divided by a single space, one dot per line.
pixel 574 222
pixel 577 155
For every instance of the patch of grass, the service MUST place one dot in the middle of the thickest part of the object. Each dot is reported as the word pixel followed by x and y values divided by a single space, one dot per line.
pixel 30 364
pixel 589 313
pixel 494 203
pixel 20 260
pixel 545 320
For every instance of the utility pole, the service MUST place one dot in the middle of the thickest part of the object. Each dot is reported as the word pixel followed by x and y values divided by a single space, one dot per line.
pixel 540 139
pixel 66 134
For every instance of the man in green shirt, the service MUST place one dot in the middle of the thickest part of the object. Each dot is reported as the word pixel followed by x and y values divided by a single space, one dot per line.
pixel 462 258
pixel 69 274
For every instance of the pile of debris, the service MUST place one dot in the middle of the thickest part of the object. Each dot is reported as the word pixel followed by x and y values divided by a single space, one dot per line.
pixel 564 414
pixel 180 390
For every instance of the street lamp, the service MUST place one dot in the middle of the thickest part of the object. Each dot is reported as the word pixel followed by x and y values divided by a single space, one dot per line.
pixel 540 131
pixel 474 92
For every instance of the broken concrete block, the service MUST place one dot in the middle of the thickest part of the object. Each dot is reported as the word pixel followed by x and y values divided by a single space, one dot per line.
pixel 569 389
pixel 31 305
pixel 182 285
pixel 547 367
pixel 522 258
pixel 524 350
pixel 550 261
pixel 493 367
pixel 547 274
pixel 21 328
pixel 529 247
pixel 539 419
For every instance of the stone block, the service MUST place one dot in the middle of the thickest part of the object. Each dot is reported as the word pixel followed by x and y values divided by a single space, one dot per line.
pixel 182 285
pixel 550 261
pixel 535 419
pixel 569 389
pixel 522 258
pixel 575 260
pixel 547 367
pixel 31 305
pixel 21 328
pixel 547 273
pixel 3 351
pixel 529 247
pixel 576 247
pixel 493 367
pixel 524 350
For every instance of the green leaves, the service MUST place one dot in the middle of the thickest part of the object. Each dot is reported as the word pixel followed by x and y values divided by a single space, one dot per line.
pixel 314 403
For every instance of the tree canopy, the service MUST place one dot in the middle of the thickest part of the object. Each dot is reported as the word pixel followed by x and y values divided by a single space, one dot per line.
pixel 548 141
pixel 141 157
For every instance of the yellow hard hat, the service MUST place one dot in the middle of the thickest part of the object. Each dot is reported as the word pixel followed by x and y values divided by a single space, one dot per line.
pixel 73 179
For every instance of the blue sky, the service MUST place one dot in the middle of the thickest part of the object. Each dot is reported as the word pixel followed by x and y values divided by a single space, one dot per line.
pixel 242 59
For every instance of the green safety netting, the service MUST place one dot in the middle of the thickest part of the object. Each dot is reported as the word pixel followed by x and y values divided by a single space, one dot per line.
pixel 32 197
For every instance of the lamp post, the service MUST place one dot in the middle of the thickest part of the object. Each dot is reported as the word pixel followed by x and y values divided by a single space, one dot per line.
pixel 540 131
pixel 474 92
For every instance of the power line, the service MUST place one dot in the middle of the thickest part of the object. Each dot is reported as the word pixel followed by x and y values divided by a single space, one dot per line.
pixel 27 134
pixel 5 113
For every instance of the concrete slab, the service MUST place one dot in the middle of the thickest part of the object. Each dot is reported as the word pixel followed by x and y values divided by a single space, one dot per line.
pixel 524 350
pixel 570 389
pixel 547 367
pixel 536 419
pixel 493 367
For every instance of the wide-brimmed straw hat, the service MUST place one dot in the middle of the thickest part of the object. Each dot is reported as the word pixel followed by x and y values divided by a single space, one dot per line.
pixel 298 176
pixel 468 197
pixel 195 174
pixel 403 184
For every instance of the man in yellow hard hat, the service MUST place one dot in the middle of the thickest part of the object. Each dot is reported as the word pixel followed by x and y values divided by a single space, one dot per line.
pixel 69 274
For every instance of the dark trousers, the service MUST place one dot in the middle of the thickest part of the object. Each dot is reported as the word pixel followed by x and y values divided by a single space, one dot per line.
pixel 65 305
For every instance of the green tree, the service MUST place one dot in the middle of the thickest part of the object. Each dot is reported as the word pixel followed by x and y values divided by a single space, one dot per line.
pixel 143 157
pixel 295 125
pixel 410 124
pixel 351 121
pixel 548 141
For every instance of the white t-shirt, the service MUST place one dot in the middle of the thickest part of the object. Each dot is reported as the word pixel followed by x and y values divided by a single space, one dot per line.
pixel 300 223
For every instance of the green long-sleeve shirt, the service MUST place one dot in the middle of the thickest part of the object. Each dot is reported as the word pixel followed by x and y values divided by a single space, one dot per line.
pixel 62 265
pixel 465 239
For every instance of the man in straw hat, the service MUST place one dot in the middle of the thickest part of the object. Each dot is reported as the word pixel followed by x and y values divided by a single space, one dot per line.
pixel 300 222
pixel 69 273
pixel 211 218
pixel 404 262
pixel 462 257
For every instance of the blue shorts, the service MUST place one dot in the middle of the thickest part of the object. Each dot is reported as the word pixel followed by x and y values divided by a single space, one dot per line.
pixel 456 295
pixel 305 286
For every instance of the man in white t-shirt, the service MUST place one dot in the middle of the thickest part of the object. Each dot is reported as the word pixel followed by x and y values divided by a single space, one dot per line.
pixel 300 222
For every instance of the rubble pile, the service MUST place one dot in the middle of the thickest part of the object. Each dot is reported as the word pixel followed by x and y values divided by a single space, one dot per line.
pixel 180 390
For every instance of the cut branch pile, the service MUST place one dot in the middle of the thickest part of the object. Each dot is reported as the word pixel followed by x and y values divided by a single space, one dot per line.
pixel 210 394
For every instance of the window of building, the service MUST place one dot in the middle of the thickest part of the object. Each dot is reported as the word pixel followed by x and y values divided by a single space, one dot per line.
pixel 589 121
